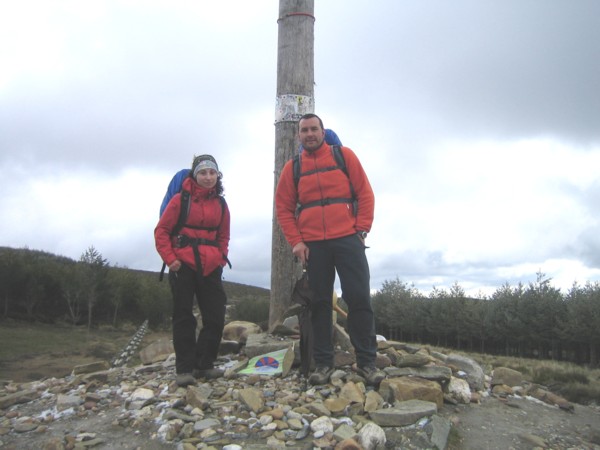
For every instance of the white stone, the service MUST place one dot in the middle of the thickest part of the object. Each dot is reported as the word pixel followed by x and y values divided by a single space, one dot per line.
pixel 459 390
pixel 141 394
pixel 322 424
pixel 371 436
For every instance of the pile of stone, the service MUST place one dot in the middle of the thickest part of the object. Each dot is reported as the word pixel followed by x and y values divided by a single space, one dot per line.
pixel 250 411
pixel 129 350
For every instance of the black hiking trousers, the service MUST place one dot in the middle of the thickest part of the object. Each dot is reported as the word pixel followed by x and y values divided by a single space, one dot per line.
pixel 346 256
pixel 199 352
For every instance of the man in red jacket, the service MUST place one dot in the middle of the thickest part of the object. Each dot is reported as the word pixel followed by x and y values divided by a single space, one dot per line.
pixel 326 218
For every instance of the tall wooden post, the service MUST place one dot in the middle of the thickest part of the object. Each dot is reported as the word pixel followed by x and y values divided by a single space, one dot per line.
pixel 295 97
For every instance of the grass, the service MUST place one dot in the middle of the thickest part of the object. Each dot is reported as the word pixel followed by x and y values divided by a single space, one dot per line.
pixel 25 340
pixel 33 351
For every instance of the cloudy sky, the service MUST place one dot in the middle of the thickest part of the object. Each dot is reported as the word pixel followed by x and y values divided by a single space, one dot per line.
pixel 478 123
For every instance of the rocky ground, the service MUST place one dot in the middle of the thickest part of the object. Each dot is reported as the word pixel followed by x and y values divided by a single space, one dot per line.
pixel 523 423
pixel 141 408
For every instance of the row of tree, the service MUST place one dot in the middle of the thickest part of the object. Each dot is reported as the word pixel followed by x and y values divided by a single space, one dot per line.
pixel 40 286
pixel 526 321
pixel 534 320
pixel 36 285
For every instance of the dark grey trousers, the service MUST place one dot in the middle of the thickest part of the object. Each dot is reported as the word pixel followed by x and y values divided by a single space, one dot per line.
pixel 200 352
pixel 346 256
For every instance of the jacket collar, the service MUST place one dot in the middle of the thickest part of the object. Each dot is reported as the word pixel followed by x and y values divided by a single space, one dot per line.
pixel 322 149
pixel 196 190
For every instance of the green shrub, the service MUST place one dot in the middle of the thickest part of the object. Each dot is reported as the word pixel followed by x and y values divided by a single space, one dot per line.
pixel 552 374
pixel 581 393
pixel 251 309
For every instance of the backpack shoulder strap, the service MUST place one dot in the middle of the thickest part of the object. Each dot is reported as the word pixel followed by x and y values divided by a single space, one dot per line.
pixel 223 206
pixel 341 163
pixel 183 211
pixel 339 158
pixel 296 168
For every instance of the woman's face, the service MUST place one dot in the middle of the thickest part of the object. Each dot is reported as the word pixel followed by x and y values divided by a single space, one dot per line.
pixel 207 178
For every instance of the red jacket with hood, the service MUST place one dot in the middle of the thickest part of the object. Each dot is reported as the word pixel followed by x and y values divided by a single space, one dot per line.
pixel 204 211
pixel 330 221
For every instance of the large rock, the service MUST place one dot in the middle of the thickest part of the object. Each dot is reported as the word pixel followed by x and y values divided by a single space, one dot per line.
pixel 239 331
pixel 440 374
pixel 157 351
pixel 407 388
pixel 413 360
pixel 259 344
pixel 24 396
pixel 403 413
pixel 473 372
pixel 509 377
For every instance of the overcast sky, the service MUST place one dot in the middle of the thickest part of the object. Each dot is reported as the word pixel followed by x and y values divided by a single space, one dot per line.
pixel 478 123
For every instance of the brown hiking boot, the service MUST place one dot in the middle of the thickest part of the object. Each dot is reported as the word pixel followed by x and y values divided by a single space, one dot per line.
pixel 372 375
pixel 320 375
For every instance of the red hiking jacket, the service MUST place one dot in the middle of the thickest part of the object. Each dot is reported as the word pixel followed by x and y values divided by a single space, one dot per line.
pixel 330 221
pixel 204 211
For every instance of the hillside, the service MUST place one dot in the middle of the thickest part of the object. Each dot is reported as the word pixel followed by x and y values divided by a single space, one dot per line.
pixel 37 286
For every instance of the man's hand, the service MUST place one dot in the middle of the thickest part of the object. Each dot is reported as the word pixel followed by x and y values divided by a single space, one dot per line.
pixel 300 251
pixel 175 266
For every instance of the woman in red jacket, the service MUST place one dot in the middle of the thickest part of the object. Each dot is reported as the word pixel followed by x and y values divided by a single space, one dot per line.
pixel 195 252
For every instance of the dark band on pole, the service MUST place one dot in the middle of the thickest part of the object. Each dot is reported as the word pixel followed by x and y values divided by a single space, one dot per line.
pixel 296 14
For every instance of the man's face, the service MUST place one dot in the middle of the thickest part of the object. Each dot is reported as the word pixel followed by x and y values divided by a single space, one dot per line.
pixel 311 134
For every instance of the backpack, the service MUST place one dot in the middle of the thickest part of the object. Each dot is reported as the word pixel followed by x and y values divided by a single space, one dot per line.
pixel 181 222
pixel 341 165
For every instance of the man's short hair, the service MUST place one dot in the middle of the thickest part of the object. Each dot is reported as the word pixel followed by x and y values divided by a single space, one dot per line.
pixel 311 116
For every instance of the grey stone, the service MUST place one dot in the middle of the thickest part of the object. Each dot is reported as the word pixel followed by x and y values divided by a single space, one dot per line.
pixel 259 344
pixel 344 431
pixel 439 431
pixel 474 373
pixel 97 366
pixel 206 424
pixel 403 413
pixel 64 401
pixel 18 397
pixel 440 374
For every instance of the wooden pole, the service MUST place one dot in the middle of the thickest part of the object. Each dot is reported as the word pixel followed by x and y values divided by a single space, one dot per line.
pixel 295 97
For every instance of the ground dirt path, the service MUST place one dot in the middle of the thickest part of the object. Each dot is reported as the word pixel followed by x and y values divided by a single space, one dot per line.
pixel 524 424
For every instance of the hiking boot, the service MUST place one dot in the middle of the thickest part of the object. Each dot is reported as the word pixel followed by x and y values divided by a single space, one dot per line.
pixel 208 374
pixel 320 375
pixel 372 375
pixel 185 379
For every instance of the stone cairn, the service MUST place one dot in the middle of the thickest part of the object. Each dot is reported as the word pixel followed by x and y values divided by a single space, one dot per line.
pixel 251 411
